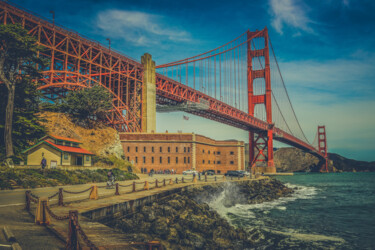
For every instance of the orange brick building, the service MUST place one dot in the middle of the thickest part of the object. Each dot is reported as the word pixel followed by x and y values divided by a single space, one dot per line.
pixel 182 151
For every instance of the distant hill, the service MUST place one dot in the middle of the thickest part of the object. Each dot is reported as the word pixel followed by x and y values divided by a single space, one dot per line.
pixel 295 160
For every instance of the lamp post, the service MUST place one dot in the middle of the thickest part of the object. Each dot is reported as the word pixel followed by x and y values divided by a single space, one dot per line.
pixel 109 42
pixel 53 17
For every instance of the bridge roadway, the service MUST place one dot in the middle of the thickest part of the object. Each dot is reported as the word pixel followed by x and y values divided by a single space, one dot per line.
pixel 12 202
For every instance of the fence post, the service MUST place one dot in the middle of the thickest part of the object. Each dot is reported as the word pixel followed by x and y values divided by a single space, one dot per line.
pixel 94 192
pixel 205 178
pixel 41 215
pixel 117 191
pixel 72 242
pixel 61 197
pixel 156 183
pixel 27 206
pixel 182 179
pixel 133 186
pixel 177 180
pixel 146 187
pixel 170 181
pixel 215 178
pixel 164 183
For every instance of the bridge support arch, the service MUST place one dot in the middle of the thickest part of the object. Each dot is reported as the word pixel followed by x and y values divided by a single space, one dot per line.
pixel 261 143
pixel 322 146
pixel 148 94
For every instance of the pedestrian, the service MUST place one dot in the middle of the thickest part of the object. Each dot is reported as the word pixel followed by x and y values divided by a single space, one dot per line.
pixel 43 163
pixel 193 174
pixel 199 175
pixel 141 170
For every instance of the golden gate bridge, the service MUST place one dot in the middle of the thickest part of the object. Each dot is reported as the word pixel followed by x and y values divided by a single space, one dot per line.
pixel 238 83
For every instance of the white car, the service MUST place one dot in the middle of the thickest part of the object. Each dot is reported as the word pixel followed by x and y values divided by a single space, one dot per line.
pixel 190 172
pixel 244 172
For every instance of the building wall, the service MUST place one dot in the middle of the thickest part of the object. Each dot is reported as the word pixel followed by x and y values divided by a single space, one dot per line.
pixel 35 156
pixel 66 162
pixel 194 152
pixel 87 161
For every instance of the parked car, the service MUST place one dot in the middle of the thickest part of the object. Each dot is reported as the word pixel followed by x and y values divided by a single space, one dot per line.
pixel 190 171
pixel 234 174
pixel 244 172
pixel 209 172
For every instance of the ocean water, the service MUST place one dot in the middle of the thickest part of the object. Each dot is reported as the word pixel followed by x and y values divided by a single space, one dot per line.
pixel 327 211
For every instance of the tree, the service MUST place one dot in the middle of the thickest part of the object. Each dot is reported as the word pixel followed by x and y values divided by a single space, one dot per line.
pixel 26 127
pixel 87 105
pixel 18 62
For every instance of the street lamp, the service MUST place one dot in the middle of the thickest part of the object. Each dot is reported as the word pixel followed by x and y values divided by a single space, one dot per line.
pixel 109 42
pixel 53 16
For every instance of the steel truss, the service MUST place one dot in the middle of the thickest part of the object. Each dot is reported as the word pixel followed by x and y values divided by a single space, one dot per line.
pixel 77 62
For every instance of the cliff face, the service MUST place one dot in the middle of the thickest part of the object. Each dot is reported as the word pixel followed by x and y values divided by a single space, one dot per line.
pixel 103 141
pixel 295 160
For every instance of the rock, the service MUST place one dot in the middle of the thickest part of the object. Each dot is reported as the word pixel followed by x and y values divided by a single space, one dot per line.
pixel 160 227
pixel 173 235
pixel 194 240
pixel 223 243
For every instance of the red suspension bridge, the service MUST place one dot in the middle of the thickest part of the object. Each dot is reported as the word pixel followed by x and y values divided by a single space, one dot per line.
pixel 238 83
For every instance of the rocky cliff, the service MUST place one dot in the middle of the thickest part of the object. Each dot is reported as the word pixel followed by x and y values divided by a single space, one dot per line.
pixel 295 160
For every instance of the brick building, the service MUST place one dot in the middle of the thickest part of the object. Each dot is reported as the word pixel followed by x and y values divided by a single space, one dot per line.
pixel 182 151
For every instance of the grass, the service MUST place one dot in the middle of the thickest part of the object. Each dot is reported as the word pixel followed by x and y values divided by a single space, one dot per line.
pixel 32 178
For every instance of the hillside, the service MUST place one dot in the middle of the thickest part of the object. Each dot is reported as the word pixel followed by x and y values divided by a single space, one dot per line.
pixel 102 140
pixel 295 160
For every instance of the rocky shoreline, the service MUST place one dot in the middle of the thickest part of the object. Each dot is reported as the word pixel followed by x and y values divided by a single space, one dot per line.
pixel 186 221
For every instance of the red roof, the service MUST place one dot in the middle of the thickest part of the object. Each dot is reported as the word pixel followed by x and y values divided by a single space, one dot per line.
pixel 70 149
pixel 64 138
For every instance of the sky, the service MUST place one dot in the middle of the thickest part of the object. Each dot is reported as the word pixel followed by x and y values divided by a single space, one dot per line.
pixel 325 51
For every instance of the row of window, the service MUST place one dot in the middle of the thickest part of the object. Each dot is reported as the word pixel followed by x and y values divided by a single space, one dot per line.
pixel 64 143
pixel 217 152
pixel 186 149
pixel 186 159
pixel 217 162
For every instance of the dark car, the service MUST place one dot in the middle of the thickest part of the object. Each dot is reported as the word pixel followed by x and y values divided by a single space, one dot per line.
pixel 234 174
pixel 209 172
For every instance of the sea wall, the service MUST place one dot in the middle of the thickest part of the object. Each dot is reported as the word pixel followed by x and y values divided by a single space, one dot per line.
pixel 185 220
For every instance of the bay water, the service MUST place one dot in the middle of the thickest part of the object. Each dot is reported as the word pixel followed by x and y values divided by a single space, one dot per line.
pixel 326 211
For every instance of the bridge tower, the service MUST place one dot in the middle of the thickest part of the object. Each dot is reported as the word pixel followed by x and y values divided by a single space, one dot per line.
pixel 148 94
pixel 322 146
pixel 261 143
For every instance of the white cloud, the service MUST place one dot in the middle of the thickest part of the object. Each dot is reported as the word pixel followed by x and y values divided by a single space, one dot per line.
pixel 139 28
pixel 288 13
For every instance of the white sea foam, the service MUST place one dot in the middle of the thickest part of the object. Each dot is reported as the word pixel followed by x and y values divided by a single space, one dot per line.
pixel 247 210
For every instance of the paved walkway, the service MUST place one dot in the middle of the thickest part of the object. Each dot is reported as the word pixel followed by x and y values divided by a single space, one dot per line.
pixel 31 235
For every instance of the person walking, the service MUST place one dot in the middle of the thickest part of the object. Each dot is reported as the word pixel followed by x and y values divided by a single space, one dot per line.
pixel 43 163
pixel 199 175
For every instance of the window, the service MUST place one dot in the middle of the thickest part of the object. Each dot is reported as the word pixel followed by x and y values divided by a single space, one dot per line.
pixel 189 150
pixel 87 158
pixel 128 149
pixel 144 149
pixel 208 151
pixel 214 162
pixel 152 149
pixel 161 159
pixel 231 152
pixel 58 142
pixel 184 149
pixel 136 159
pixel 218 152
pixel 184 159
pixel 169 159
pixel 75 145
pixel 214 152
pixel 136 149
pixel 161 149
pixel 176 159
pixel 128 158
pixel 152 159
pixel 169 149
pixel 203 161
pixel 203 151
pixel 176 149
pixel 144 159
pixel 209 162
pixel 218 171
pixel 232 162
pixel 188 159
pixel 66 156
pixel 218 162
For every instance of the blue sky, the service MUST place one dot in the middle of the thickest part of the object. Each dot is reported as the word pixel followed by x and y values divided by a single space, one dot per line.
pixel 325 50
